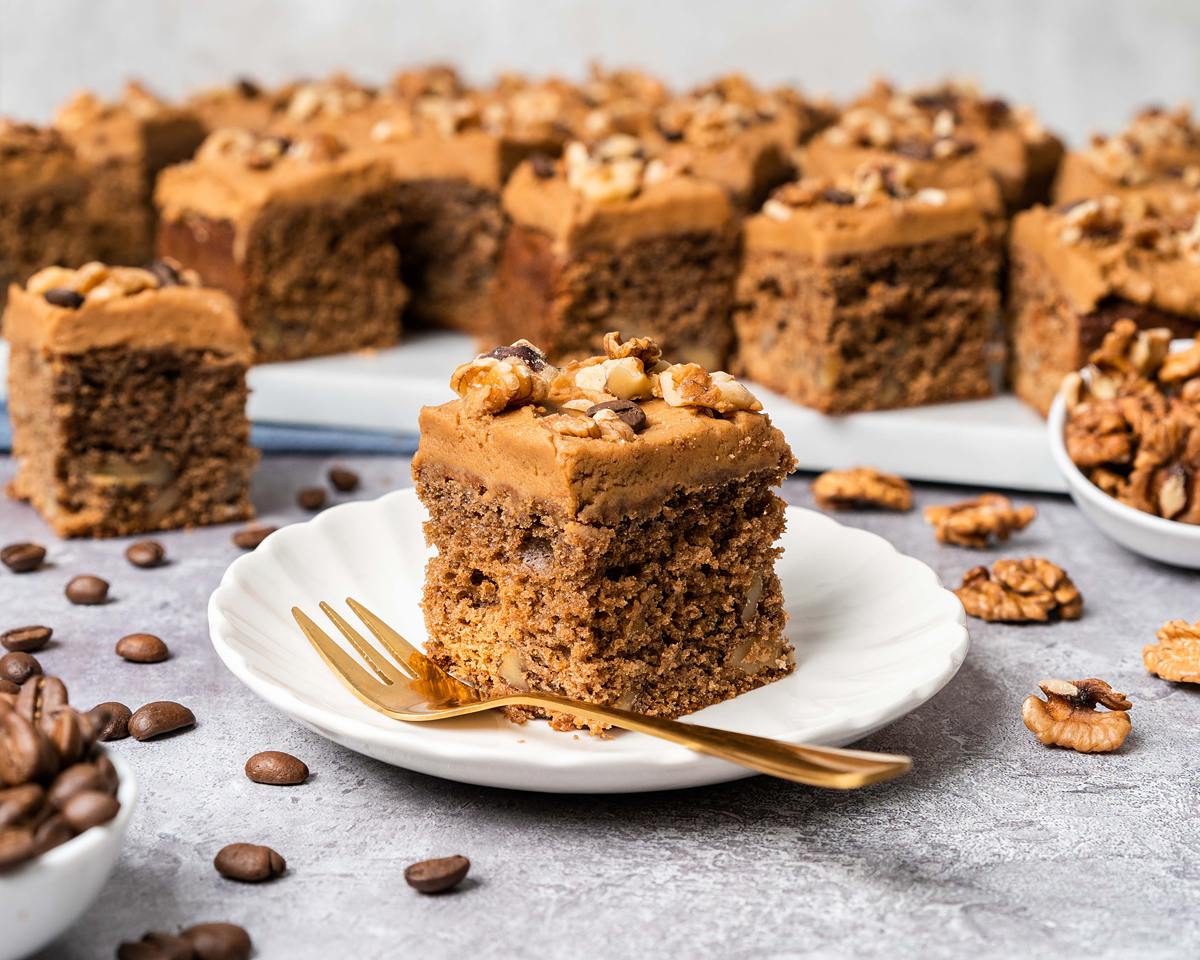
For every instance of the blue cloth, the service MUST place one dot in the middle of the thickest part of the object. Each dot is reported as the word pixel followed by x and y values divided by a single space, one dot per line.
pixel 288 438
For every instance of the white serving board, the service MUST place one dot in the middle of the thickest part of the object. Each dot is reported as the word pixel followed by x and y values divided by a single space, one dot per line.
pixel 994 443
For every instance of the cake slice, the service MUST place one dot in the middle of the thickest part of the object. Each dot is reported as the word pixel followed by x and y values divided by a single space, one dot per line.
pixel 127 390
pixel 867 294
pixel 298 232
pixel 611 235
pixel 606 531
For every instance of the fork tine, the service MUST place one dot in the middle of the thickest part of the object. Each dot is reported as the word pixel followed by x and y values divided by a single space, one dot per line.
pixel 375 660
pixel 340 662
pixel 399 648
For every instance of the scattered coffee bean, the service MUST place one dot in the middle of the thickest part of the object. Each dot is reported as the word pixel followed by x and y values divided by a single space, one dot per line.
pixel 218 941
pixel 16 846
pixel 62 297
pixel 312 498
pixel 7 686
pixel 249 863
pixel 156 945
pixel 22 557
pixel 276 768
pixel 627 410
pixel 25 639
pixel 89 808
pixel 250 537
pixel 76 778
pixel 52 832
pixel 20 803
pixel 165 270
pixel 19 667
pixel 343 479
pixel 111 720
pixel 437 876
pixel 142 648
pixel 87 591
pixel 146 554
pixel 159 718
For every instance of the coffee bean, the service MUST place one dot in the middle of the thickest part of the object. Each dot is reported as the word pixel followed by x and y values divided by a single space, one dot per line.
pixel 41 696
pixel 19 804
pixel 627 410
pixel 111 720
pixel 142 648
pixel 16 846
pixel 156 945
pixel 249 863
pixel 76 778
pixel 276 768
pixel 146 554
pixel 108 772
pixel 62 297
pixel 87 591
pixel 437 876
pixel 343 479
pixel 89 808
pixel 312 498
pixel 8 687
pixel 250 537
pixel 218 941
pixel 19 667
pixel 25 639
pixel 26 754
pixel 165 271
pixel 52 832
pixel 159 718
pixel 22 557
pixel 71 733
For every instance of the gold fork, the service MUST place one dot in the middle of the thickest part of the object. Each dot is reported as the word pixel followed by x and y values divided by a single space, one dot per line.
pixel 417 689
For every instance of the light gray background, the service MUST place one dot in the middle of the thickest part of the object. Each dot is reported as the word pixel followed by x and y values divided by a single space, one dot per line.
pixel 1085 64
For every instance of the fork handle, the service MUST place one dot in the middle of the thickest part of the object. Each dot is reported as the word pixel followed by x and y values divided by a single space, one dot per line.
pixel 803 763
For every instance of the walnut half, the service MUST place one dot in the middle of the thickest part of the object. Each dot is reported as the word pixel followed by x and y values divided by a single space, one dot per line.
pixel 861 488
pixel 1030 590
pixel 1176 656
pixel 1068 716
pixel 976 523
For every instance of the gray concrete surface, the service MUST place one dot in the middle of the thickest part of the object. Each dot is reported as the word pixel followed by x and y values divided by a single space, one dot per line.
pixel 994 846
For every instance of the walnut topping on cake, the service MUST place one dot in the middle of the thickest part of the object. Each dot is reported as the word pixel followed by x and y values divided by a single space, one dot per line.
pixel 334 97
pixel 508 377
pixel 1150 147
pixel 615 168
pixel 873 183
pixel 1133 422
pixel 1135 222
pixel 1068 716
pixel 17 138
pixel 85 108
pixel 261 152
pixel 690 385
pixel 714 115
pixel 900 127
pixel 95 282
pixel 961 100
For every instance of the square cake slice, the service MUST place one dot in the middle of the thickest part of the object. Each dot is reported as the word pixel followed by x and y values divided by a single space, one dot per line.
pixel 609 236
pixel 127 390
pixel 605 532
pixel 298 232
pixel 868 294
pixel 1079 268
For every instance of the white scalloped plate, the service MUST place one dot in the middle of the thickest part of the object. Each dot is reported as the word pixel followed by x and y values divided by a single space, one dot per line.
pixel 876 636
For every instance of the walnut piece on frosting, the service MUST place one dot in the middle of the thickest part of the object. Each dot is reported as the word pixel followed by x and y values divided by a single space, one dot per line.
pixel 260 152
pixel 690 385
pixel 616 168
pixel 95 282
pixel 506 377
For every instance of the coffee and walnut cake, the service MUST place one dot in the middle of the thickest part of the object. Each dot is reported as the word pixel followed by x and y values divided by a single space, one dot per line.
pixel 1077 269
pixel 868 293
pixel 127 391
pixel 605 531
pixel 615 235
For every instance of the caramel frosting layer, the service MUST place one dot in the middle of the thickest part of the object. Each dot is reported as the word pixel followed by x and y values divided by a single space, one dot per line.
pixel 680 204
pixel 178 317
pixel 592 480
pixel 1087 272
pixel 1079 177
pixel 827 158
pixel 226 188
pixel 825 231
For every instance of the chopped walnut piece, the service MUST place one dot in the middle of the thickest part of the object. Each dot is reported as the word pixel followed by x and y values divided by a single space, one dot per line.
pixel 1020 591
pixel 1097 433
pixel 1068 716
pixel 1128 351
pixel 569 425
pixel 489 384
pixel 1166 471
pixel 690 385
pixel 643 348
pixel 976 523
pixel 1176 656
pixel 861 488
pixel 1184 365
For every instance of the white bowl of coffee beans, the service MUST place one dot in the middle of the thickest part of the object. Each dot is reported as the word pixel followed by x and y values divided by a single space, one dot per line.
pixel 65 805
